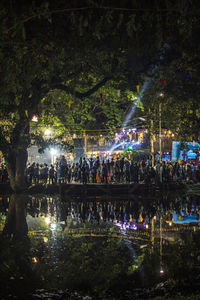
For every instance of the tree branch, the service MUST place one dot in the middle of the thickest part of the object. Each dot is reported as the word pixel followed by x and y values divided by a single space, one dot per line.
pixel 86 8
pixel 79 95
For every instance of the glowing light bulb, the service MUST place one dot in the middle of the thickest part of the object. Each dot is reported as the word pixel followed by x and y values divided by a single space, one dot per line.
pixel 47 220
pixel 53 151
pixel 53 226
pixel 47 132
pixel 35 260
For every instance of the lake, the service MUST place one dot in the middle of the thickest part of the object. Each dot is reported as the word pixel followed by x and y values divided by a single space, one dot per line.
pixel 63 248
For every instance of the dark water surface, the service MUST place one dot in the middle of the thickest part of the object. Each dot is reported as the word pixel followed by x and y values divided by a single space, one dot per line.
pixel 53 248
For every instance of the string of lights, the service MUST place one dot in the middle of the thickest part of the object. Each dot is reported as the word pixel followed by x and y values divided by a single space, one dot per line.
pixel 92 130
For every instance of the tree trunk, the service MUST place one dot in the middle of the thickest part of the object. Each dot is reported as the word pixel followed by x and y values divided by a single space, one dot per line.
pixel 16 225
pixel 16 230
pixel 16 166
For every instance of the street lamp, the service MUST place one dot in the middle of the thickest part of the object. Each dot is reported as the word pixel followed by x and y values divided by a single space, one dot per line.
pixel 53 151
pixel 47 132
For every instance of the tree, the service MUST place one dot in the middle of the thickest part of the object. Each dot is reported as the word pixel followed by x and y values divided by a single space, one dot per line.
pixel 71 47
pixel 179 96
pixel 105 109
pixel 39 59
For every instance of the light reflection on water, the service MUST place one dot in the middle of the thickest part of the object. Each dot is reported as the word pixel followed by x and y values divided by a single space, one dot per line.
pixel 78 241
pixel 52 215
pixel 57 214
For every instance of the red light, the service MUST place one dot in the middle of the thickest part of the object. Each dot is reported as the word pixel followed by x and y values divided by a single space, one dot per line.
pixel 35 118
pixel 35 260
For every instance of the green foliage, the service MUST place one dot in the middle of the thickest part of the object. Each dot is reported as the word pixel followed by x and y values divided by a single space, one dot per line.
pixel 90 49
pixel 88 114
pixel 180 99
pixel 40 61
pixel 98 263
pixel 44 143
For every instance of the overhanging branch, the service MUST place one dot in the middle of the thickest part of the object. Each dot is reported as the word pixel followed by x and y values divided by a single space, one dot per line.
pixel 79 95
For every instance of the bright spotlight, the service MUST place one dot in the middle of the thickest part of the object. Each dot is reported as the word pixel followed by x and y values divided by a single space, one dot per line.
pixel 47 132
pixel 161 94
pixel 53 151
pixel 47 220
pixel 53 226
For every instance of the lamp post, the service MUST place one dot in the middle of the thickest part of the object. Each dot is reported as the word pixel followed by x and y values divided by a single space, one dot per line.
pixel 85 142
pixel 160 124
pixel 161 241
pixel 151 141
pixel 160 127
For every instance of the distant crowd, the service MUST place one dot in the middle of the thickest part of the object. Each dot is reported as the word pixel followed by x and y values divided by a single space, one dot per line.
pixel 119 170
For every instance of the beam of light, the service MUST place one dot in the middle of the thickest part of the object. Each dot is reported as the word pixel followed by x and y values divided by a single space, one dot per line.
pixel 115 146
pixel 123 227
pixel 151 72
pixel 130 113
pixel 134 105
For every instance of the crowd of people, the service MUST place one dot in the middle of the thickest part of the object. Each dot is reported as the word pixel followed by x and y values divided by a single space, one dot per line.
pixel 119 170
pixel 183 208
